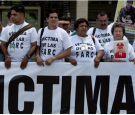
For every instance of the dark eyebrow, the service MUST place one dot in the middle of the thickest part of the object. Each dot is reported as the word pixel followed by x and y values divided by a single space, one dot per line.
pixel 14 14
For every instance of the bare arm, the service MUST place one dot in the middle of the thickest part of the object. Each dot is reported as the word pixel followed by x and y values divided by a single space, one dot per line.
pixel 4 48
pixel 113 60
pixel 7 58
pixel 98 57
pixel 64 54
pixel 71 60
pixel 38 58
pixel 30 52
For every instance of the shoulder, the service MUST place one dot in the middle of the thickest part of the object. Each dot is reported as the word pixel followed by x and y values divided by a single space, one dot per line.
pixel 130 46
pixel 73 38
pixel 26 24
pixel 110 25
pixel 60 29
pixel 108 44
pixel 7 28
pixel 90 30
pixel 62 32
pixel 124 8
pixel 132 8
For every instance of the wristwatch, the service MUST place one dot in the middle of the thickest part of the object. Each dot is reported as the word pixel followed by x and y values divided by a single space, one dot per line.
pixel 53 58
pixel 28 56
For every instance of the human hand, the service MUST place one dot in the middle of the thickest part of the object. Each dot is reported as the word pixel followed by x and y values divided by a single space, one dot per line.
pixel 114 60
pixel 24 63
pixel 49 61
pixel 96 62
pixel 40 61
pixel 73 61
pixel 61 23
pixel 7 62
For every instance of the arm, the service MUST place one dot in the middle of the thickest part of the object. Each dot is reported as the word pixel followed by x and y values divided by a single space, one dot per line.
pixel 71 60
pixel 7 58
pixel 60 23
pixel 64 54
pixel 98 57
pixel 121 14
pixel 30 52
pixel 39 59
pixel 113 60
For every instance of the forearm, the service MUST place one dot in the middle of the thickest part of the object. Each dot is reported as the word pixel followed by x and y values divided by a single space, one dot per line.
pixel 4 48
pixel 38 51
pixel 67 59
pixel 100 54
pixel 32 49
pixel 64 54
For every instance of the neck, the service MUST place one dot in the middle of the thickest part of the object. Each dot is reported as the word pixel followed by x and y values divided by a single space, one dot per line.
pixel 102 28
pixel 82 35
pixel 19 23
pixel 52 27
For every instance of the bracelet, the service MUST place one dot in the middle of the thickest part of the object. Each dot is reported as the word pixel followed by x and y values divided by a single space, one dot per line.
pixel 6 56
pixel 53 58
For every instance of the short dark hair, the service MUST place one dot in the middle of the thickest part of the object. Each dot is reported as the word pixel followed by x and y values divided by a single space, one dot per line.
pixel 117 24
pixel 65 18
pixel 80 20
pixel 9 14
pixel 51 11
pixel 131 1
pixel 101 13
pixel 19 8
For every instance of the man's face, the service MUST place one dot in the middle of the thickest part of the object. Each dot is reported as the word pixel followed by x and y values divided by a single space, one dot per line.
pixel 128 4
pixel 0 26
pixel 17 17
pixel 120 50
pixel 66 25
pixel 52 20
pixel 102 22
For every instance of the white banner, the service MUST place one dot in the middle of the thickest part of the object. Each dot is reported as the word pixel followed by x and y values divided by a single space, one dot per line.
pixel 63 88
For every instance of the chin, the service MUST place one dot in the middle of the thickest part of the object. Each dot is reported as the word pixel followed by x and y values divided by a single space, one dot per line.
pixel 103 28
pixel 119 39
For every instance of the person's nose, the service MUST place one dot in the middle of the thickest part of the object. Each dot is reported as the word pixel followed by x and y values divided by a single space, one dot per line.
pixel 54 18
pixel 102 22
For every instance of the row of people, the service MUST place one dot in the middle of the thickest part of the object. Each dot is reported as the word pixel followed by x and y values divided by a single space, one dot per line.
pixel 52 43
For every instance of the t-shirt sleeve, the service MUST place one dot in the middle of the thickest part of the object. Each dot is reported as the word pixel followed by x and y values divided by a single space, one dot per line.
pixel 98 45
pixel 33 35
pixel 4 34
pixel 66 41
pixel 134 44
pixel 125 38
pixel 131 53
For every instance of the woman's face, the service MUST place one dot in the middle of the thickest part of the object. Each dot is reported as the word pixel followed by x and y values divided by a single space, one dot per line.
pixel 118 33
pixel 82 29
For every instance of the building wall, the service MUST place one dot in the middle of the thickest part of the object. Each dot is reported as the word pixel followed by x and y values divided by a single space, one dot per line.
pixel 82 9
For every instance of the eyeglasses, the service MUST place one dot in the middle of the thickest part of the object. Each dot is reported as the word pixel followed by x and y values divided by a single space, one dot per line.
pixel 102 21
